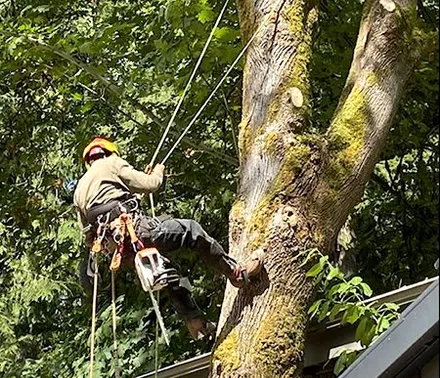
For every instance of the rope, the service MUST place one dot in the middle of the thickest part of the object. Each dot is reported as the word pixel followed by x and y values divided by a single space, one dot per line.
pixel 152 204
pixel 196 116
pixel 95 296
pixel 156 348
pixel 194 119
pixel 115 340
pixel 188 84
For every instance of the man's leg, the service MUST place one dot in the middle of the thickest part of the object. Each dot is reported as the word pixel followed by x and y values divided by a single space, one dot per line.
pixel 179 292
pixel 187 308
pixel 174 234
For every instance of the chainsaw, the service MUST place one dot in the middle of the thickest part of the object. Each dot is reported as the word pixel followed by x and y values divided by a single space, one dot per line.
pixel 154 276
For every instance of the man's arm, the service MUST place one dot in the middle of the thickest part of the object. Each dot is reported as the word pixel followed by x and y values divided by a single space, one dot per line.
pixel 137 181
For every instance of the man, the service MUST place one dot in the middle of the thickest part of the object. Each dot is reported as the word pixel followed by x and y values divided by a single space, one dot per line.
pixel 110 182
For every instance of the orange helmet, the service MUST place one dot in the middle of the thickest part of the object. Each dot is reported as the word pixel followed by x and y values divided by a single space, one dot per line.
pixel 104 144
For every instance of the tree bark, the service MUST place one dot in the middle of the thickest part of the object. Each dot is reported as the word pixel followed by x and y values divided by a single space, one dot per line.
pixel 297 188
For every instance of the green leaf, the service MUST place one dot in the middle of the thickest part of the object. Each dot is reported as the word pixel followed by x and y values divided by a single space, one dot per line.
pixel 337 308
pixel 314 270
pixel 340 363
pixel 369 332
pixel 205 15
pixel 35 224
pixel 355 281
pixel 314 307
pixel 42 8
pixel 392 306
pixel 383 324
pixel 360 329
pixel 318 267
pixel 366 289
pixel 351 314
pixel 323 311
pixel 334 272
pixel 77 96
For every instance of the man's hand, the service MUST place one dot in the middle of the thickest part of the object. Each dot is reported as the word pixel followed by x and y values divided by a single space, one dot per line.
pixel 158 168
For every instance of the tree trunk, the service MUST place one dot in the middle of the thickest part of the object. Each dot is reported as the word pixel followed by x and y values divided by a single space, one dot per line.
pixel 297 188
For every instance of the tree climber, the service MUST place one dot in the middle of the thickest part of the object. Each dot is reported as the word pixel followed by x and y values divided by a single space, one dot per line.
pixel 111 182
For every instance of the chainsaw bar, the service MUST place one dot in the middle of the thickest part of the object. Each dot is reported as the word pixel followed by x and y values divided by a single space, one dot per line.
pixel 159 317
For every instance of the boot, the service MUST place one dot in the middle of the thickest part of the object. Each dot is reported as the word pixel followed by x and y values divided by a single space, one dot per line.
pixel 199 328
pixel 241 273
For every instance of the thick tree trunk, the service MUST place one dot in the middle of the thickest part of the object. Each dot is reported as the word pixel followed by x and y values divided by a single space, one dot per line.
pixel 296 188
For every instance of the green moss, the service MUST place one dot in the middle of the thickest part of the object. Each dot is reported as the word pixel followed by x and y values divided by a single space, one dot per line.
pixel 245 138
pixel 280 342
pixel 294 160
pixel 227 351
pixel 272 142
pixel 372 79
pixel 347 136
pixel 273 109
pixel 300 26
pixel 260 219
pixel 237 210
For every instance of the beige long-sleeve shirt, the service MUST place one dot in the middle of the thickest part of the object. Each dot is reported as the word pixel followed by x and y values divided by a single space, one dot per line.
pixel 111 178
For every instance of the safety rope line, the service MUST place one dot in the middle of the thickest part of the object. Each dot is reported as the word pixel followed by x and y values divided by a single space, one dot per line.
pixel 196 116
pixel 188 84
pixel 95 296
pixel 115 340
pixel 156 347
pixel 153 213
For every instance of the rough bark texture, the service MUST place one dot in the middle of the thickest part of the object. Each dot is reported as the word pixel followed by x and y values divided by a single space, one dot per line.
pixel 296 188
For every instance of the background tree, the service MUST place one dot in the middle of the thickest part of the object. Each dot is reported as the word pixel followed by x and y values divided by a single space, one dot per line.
pixel 72 70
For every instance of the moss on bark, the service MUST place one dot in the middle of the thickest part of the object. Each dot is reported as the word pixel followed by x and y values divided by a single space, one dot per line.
pixel 280 341
pixel 346 137
pixel 227 352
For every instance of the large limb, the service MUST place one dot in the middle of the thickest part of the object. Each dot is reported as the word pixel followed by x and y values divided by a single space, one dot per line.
pixel 383 60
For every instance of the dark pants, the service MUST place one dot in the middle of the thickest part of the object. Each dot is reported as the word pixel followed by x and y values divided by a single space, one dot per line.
pixel 173 234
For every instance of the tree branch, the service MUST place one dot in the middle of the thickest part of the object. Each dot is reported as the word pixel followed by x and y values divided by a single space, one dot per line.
pixel 384 58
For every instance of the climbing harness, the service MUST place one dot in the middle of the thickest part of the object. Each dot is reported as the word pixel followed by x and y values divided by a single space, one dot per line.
pixel 150 266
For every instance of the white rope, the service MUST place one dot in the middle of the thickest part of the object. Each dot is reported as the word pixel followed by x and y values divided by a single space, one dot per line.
pixel 156 348
pixel 95 296
pixel 115 340
pixel 188 84
pixel 196 116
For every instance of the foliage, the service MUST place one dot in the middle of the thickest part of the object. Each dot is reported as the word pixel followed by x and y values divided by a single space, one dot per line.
pixel 70 70
pixel 346 300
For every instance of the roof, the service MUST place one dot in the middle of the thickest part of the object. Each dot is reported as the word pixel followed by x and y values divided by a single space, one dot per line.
pixel 324 341
pixel 407 345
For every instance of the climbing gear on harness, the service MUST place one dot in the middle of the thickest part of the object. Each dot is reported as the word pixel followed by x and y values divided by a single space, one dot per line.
pixel 150 265
pixel 112 209
pixel 103 143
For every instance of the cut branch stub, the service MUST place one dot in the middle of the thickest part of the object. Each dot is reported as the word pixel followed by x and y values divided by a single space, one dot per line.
pixel 389 5
pixel 296 97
